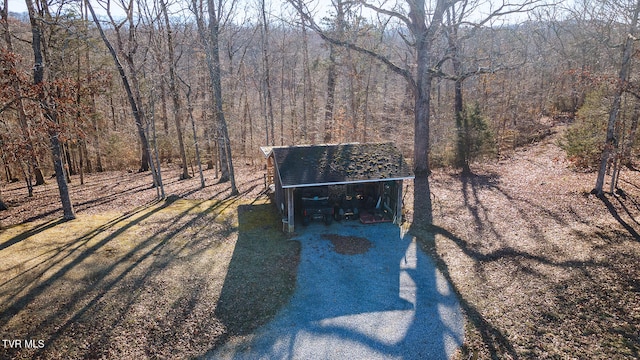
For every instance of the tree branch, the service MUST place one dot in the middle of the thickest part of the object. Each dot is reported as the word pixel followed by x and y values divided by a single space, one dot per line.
pixel 393 14
pixel 303 11
pixel 8 105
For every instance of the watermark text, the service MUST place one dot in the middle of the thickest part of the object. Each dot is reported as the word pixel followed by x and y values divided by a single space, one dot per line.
pixel 22 344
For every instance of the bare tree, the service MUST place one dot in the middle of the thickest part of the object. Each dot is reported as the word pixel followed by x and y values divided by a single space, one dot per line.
pixel 133 93
pixel 424 23
pixel 211 44
pixel 49 113
pixel 308 98
pixel 611 143
pixel 337 32
pixel 195 133
pixel 266 81
pixel 173 89
pixel 22 117
pixel 458 29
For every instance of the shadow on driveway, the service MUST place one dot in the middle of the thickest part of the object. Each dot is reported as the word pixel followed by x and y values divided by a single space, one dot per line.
pixel 388 303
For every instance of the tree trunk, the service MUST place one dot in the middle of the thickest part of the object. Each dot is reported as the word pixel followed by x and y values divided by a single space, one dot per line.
pixel 610 143
pixel 243 124
pixel 462 130
pixel 175 95
pixel 96 138
pixel 462 125
pixel 81 163
pixel 366 113
pixel 268 100
pixel 56 148
pixel 195 139
pixel 424 39
pixel 282 87
pixel 137 112
pixel 3 205
pixel 163 100
pixel 331 93
pixel 628 148
pixel 212 54
pixel 308 108
pixel 155 159
pixel 209 146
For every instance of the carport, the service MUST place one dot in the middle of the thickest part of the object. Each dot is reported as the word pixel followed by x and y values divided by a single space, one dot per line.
pixel 372 171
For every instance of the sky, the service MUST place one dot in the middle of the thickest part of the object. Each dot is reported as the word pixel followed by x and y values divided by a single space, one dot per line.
pixel 323 6
pixel 19 6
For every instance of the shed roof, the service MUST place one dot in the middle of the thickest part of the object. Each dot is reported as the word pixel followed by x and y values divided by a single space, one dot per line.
pixel 313 165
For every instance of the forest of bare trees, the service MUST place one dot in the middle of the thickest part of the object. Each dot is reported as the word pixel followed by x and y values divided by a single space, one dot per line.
pixel 139 84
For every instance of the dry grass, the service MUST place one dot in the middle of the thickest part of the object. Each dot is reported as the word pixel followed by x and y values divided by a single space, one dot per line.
pixel 151 281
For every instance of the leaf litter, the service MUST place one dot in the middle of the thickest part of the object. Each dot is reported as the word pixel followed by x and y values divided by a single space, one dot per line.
pixel 543 269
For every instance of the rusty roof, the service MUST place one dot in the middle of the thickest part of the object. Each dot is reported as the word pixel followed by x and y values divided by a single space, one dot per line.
pixel 313 165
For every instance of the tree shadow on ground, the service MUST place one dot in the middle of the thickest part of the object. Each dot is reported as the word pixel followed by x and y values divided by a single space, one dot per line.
pixel 31 232
pixel 471 183
pixel 627 225
pixel 383 303
pixel 139 282
pixel 261 275
pixel 493 338
pixel 563 288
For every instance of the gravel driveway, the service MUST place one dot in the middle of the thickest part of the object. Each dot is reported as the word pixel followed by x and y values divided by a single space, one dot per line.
pixel 389 302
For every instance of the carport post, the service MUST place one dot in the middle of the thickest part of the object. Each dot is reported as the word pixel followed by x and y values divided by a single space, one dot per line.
pixel 290 211
pixel 398 216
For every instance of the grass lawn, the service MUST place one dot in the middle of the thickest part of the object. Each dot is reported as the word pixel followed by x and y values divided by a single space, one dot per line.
pixel 171 279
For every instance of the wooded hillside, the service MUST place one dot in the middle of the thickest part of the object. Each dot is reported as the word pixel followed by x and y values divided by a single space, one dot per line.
pixel 157 80
pixel 516 118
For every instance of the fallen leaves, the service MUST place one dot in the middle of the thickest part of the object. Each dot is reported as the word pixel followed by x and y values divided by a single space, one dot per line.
pixel 348 245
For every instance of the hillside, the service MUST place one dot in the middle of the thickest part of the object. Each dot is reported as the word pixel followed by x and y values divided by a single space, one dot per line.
pixel 543 269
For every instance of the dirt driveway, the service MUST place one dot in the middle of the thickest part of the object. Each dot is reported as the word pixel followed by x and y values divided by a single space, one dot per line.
pixel 363 292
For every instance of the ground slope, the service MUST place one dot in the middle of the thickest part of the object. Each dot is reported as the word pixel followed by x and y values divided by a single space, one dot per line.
pixel 543 268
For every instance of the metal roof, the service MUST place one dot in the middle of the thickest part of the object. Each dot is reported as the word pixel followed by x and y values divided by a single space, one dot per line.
pixel 315 165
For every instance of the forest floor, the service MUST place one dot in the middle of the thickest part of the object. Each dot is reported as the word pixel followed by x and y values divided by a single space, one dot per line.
pixel 542 268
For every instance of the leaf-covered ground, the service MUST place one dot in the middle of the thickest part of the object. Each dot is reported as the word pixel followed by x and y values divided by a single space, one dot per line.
pixel 543 269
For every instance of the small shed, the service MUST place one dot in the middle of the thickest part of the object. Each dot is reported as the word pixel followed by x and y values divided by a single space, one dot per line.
pixel 372 171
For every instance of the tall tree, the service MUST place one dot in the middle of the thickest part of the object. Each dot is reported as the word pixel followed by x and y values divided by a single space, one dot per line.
pixel 133 93
pixel 175 92
pixel 308 103
pixel 610 143
pixel 48 110
pixel 266 81
pixel 332 71
pixel 465 66
pixel 94 117
pixel 22 117
pixel 211 41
